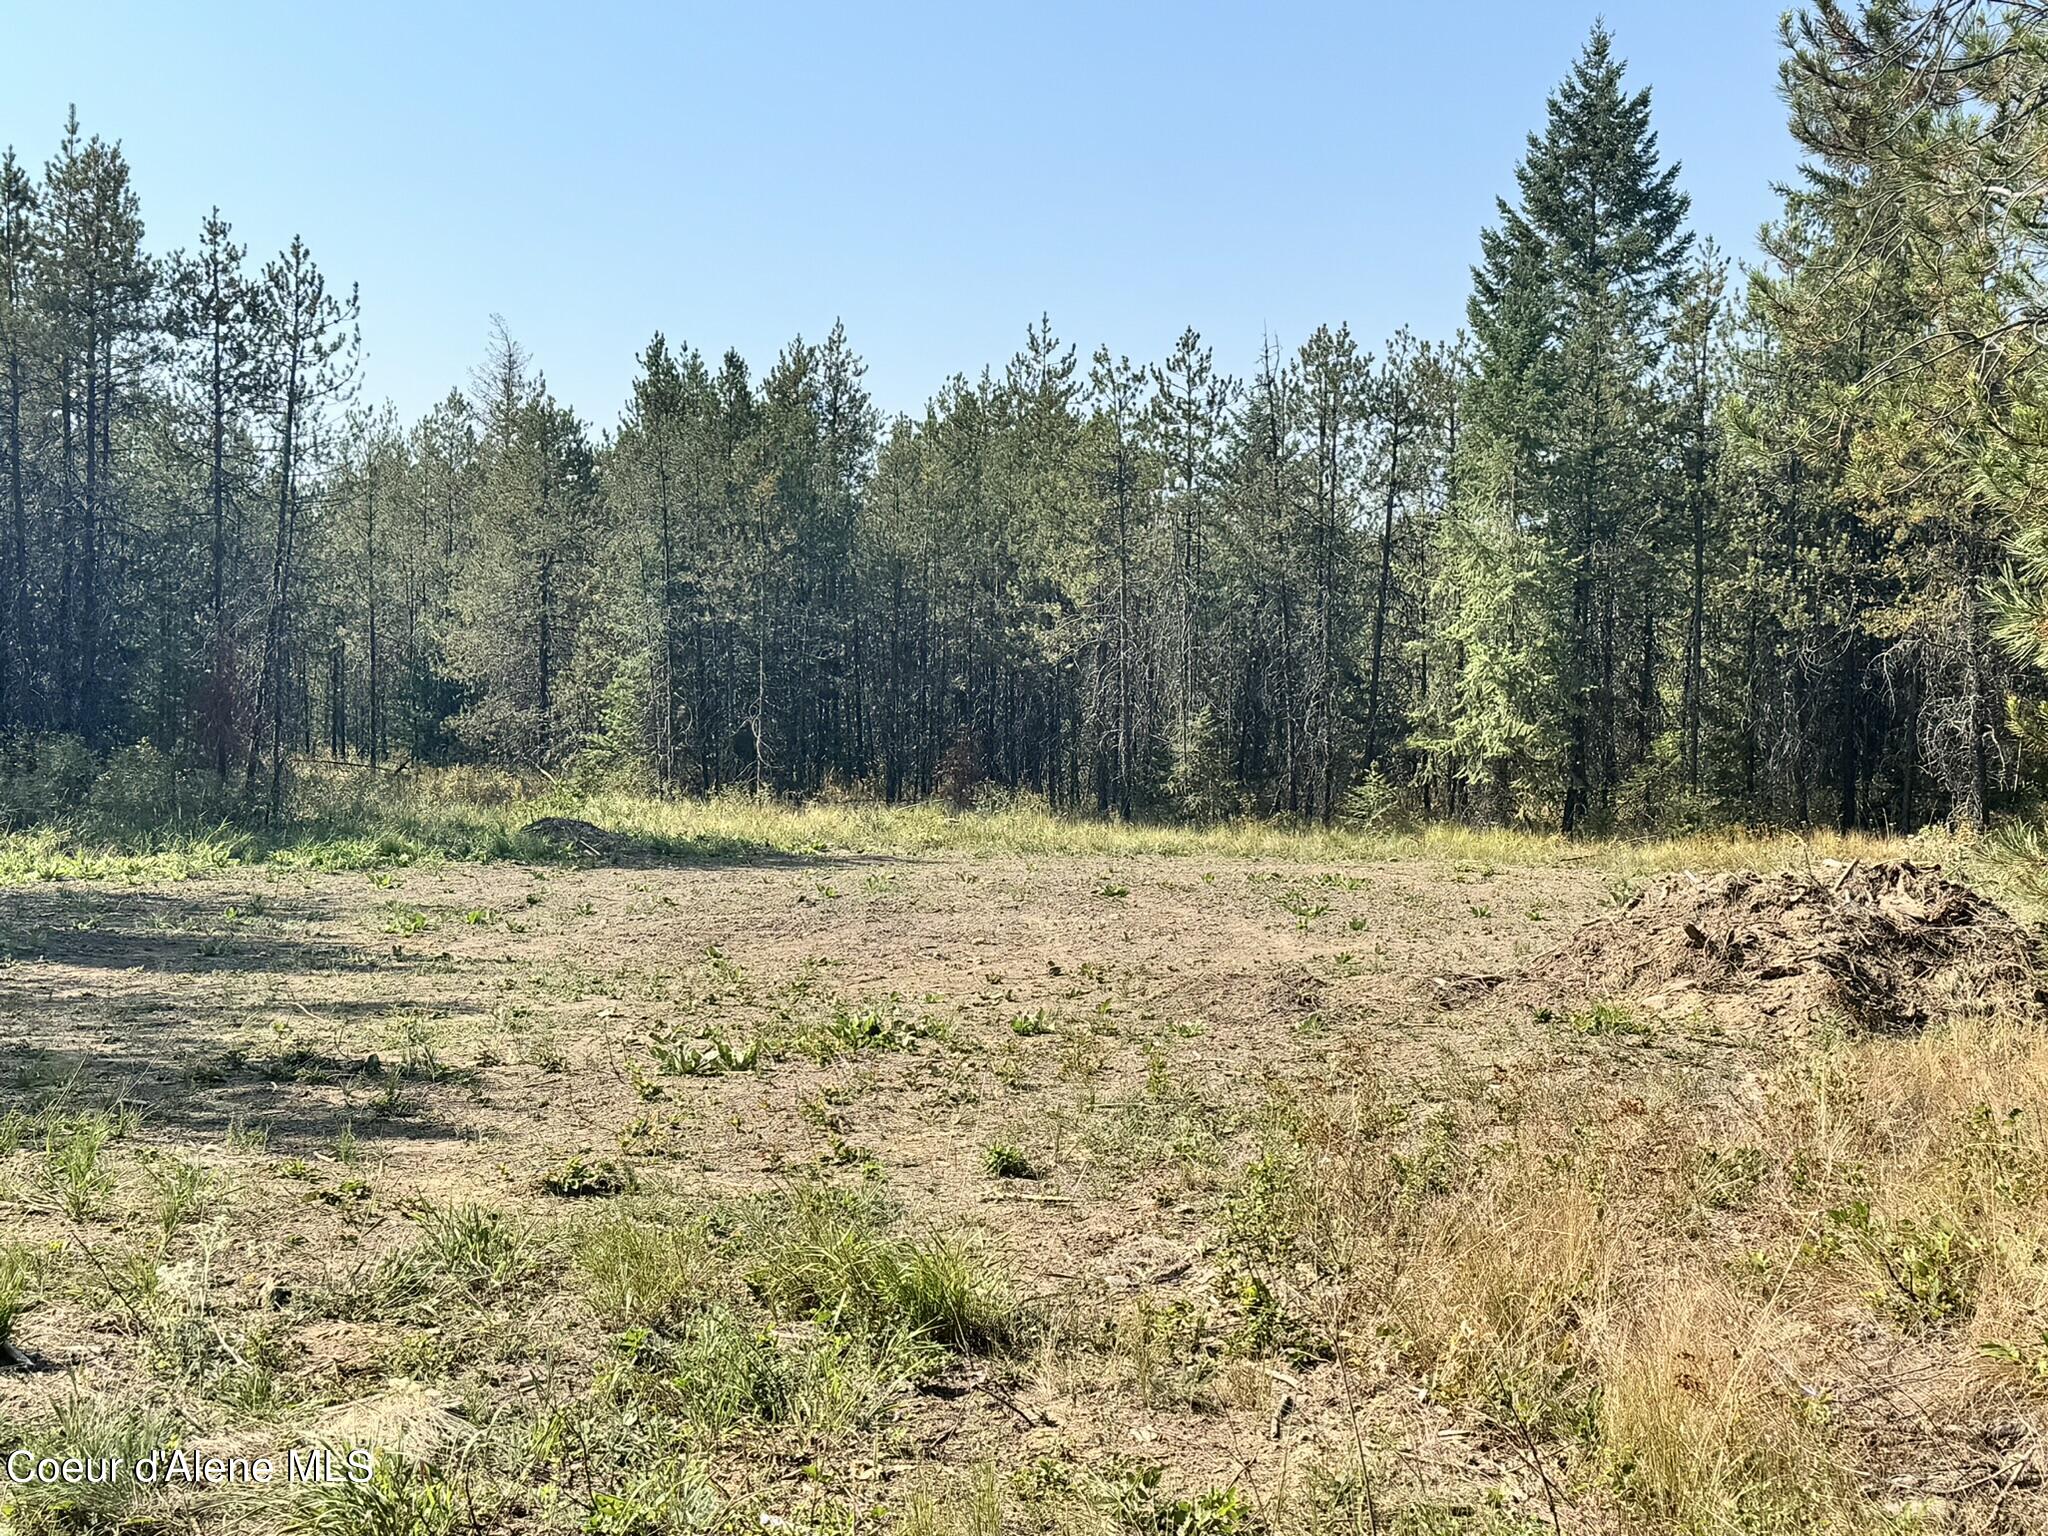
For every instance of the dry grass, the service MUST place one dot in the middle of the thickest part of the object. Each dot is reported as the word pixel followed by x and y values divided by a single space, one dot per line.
pixel 353 819
pixel 1276 1244
pixel 1697 1297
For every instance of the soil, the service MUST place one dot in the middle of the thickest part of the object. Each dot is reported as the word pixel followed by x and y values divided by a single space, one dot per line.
pixel 1884 946
pixel 342 1050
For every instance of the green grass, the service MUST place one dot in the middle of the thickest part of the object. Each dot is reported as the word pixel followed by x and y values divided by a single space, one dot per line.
pixel 349 819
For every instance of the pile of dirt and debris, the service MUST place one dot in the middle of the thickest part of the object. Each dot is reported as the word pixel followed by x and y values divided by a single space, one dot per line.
pixel 574 836
pixel 1889 946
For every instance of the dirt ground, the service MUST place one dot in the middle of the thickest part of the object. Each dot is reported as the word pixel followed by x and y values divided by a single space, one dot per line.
pixel 338 1052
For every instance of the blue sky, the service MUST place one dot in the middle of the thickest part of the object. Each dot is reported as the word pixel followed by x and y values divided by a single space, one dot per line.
pixel 935 175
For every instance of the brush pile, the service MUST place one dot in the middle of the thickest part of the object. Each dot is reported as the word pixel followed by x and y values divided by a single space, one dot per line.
pixel 1887 946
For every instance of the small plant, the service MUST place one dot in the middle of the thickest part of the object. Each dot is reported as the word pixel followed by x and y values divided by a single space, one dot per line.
pixel 644 1271
pixel 1927 1271
pixel 861 1029
pixel 19 1269
pixel 825 1252
pixel 578 1177
pixel 736 1058
pixel 1141 1506
pixel 1029 1024
pixel 399 1498
pixel 1005 1160
pixel 181 1188
pixel 417 1061
pixel 406 920
pixel 2028 1358
pixel 686 1059
pixel 1305 909
pixel 1727 1180
pixel 1607 1019
pixel 74 1166
pixel 477 1249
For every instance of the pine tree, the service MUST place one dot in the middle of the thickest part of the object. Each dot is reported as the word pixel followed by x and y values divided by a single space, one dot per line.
pixel 1570 309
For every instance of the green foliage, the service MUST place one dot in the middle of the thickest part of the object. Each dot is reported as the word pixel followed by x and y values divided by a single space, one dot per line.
pixel 75 1165
pixel 827 1252
pixel 1201 783
pixel 1141 1506
pixel 1607 1019
pixel 478 1250
pixel 400 1498
pixel 578 1176
pixel 1005 1160
pixel 20 1268
pixel 1925 1271
pixel 643 1269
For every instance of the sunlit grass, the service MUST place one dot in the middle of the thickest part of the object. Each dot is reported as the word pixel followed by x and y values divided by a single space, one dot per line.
pixel 353 820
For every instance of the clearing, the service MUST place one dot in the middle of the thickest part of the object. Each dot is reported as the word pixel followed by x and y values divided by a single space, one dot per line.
pixel 969 1189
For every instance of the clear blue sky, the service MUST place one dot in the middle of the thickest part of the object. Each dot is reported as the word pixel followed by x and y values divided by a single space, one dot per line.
pixel 735 174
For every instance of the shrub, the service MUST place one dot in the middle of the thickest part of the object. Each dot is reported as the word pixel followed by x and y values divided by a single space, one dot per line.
pixel 43 778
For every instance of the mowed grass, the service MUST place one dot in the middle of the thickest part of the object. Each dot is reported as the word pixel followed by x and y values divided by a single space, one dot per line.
pixel 1581 1268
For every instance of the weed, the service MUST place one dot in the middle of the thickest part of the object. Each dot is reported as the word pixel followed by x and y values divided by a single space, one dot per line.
pixel 1004 1160
pixel 20 1272
pixel 478 1250
pixel 406 920
pixel 1925 1270
pixel 399 1498
pixel 577 1176
pixel 1607 1019
pixel 75 1166
pixel 181 1189
pixel 644 1269
pixel 826 1252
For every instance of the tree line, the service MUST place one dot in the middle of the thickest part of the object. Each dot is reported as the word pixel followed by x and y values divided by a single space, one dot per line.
pixel 1652 542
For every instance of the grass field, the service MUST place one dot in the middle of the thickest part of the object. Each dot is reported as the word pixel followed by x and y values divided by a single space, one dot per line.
pixel 847 1170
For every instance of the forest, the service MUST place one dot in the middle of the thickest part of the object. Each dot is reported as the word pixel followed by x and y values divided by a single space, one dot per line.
pixel 1657 540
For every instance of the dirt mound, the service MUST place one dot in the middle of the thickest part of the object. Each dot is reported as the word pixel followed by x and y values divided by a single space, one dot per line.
pixel 577 836
pixel 1890 945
